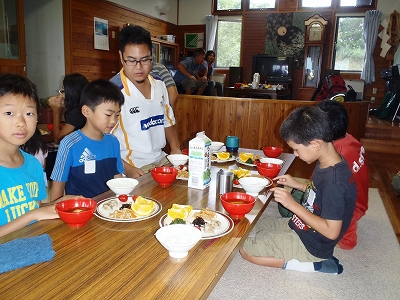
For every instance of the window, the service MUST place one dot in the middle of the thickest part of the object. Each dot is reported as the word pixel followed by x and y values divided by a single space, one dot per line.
pixel 262 4
pixel 357 3
pixel 227 5
pixel 349 48
pixel 228 44
pixel 315 3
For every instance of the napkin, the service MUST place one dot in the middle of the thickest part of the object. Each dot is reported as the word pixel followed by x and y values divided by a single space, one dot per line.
pixel 25 252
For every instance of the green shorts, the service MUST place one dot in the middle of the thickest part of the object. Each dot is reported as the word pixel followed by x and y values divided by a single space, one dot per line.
pixel 272 237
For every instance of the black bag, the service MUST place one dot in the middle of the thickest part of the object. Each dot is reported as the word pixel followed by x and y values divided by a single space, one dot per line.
pixel 388 107
pixel 351 94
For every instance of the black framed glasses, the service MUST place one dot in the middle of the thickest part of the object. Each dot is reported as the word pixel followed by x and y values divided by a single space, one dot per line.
pixel 142 62
pixel 61 91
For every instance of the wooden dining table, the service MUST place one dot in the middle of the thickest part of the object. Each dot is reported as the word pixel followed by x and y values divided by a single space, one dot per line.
pixel 115 260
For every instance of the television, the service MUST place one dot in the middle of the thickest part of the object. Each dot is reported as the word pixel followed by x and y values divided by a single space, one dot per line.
pixel 273 68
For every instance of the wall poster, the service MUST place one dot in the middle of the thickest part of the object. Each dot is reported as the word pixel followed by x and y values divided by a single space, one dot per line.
pixel 101 34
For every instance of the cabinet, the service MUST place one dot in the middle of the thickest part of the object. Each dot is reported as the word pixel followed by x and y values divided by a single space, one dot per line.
pixel 166 53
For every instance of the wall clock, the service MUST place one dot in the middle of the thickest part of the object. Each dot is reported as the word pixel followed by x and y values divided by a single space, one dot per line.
pixel 315 29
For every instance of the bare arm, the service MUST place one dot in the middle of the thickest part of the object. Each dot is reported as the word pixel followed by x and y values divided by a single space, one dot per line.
pixel 172 139
pixel 39 214
pixel 184 71
pixel 132 171
pixel 57 107
pixel 173 96
pixel 57 190
pixel 328 228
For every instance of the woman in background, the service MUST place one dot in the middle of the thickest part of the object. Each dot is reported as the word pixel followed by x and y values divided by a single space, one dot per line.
pixel 209 62
pixel 68 103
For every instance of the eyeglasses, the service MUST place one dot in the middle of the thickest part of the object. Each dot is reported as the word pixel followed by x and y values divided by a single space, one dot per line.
pixel 61 91
pixel 142 62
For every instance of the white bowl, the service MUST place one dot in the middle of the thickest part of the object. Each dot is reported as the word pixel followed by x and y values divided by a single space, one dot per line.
pixel 178 159
pixel 121 186
pixel 178 239
pixel 276 161
pixel 253 185
pixel 215 146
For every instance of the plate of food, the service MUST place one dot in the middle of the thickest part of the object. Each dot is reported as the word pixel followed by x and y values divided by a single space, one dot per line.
pixel 44 131
pixel 183 174
pixel 212 223
pixel 132 209
pixel 222 157
pixel 248 159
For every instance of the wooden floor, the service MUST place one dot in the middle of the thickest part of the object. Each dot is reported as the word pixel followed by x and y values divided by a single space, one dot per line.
pixel 382 168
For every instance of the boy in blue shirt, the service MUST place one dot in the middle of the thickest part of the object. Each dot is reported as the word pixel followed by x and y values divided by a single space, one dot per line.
pixel 22 185
pixel 88 157
pixel 306 241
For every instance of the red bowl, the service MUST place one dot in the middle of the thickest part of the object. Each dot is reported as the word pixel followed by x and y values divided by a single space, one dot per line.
pixel 76 212
pixel 273 152
pixel 238 85
pixel 185 151
pixel 237 204
pixel 268 170
pixel 164 175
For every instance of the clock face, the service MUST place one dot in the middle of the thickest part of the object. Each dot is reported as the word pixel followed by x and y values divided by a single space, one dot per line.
pixel 315 32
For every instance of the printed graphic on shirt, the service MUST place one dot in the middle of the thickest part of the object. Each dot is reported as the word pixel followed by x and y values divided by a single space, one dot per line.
pixel 14 202
pixel 308 203
pixel 146 124
pixel 87 155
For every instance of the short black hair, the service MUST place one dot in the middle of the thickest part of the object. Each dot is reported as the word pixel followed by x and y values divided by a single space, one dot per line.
pixel 198 52
pixel 73 86
pixel 17 84
pixel 134 35
pixel 305 124
pixel 338 117
pixel 100 91
pixel 209 53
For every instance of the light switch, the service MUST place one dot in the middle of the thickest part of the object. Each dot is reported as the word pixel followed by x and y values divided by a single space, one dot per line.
pixel 113 34
pixel 374 90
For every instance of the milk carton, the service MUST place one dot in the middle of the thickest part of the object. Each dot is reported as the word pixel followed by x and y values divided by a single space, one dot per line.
pixel 199 161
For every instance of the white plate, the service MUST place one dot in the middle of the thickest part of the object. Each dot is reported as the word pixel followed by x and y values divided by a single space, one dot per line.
pixel 182 178
pixel 227 224
pixel 244 163
pixel 221 161
pixel 105 214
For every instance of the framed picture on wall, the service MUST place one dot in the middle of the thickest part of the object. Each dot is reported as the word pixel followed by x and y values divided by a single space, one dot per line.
pixel 194 40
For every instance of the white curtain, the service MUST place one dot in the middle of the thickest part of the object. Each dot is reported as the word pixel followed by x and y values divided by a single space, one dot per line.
pixel 371 26
pixel 211 31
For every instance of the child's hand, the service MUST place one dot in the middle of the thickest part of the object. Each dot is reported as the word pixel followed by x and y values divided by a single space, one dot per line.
pixel 283 196
pixel 286 180
pixel 46 213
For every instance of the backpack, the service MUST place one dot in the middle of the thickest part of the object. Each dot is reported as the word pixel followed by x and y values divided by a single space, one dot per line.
pixel 330 86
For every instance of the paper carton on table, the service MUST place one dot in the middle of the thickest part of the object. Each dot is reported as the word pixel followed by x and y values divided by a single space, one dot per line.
pixel 199 161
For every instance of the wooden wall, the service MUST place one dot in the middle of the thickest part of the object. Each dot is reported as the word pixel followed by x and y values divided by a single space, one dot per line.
pixel 83 58
pixel 256 122
pixel 80 55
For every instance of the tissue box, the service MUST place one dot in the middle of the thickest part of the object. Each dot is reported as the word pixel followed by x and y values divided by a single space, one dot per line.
pixel 199 161
pixel 168 37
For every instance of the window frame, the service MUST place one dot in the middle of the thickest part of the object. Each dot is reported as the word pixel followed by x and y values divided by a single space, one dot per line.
pixel 334 42
pixel 247 7
pixel 230 18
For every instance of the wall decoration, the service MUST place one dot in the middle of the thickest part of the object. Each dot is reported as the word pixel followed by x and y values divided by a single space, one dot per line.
pixel 194 40
pixel 285 35
pixel 101 34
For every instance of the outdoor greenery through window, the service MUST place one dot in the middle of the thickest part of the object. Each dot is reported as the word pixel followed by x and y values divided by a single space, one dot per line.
pixel 316 3
pixel 261 4
pixel 229 32
pixel 229 4
pixel 349 48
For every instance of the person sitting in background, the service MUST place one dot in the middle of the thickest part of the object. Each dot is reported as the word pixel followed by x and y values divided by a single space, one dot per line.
pixel 160 71
pixel 209 61
pixel 68 103
pixel 90 156
pixel 188 73
pixel 354 153
pixel 22 187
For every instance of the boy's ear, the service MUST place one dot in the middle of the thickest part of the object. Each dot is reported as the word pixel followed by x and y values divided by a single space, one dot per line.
pixel 85 110
pixel 315 144
pixel 120 57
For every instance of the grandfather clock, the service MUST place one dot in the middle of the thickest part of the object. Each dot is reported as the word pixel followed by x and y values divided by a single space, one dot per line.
pixel 314 46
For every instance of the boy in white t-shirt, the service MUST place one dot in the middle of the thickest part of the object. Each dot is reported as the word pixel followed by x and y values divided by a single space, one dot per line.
pixel 147 119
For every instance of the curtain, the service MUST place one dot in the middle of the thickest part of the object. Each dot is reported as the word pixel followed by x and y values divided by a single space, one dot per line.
pixel 371 26
pixel 211 31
